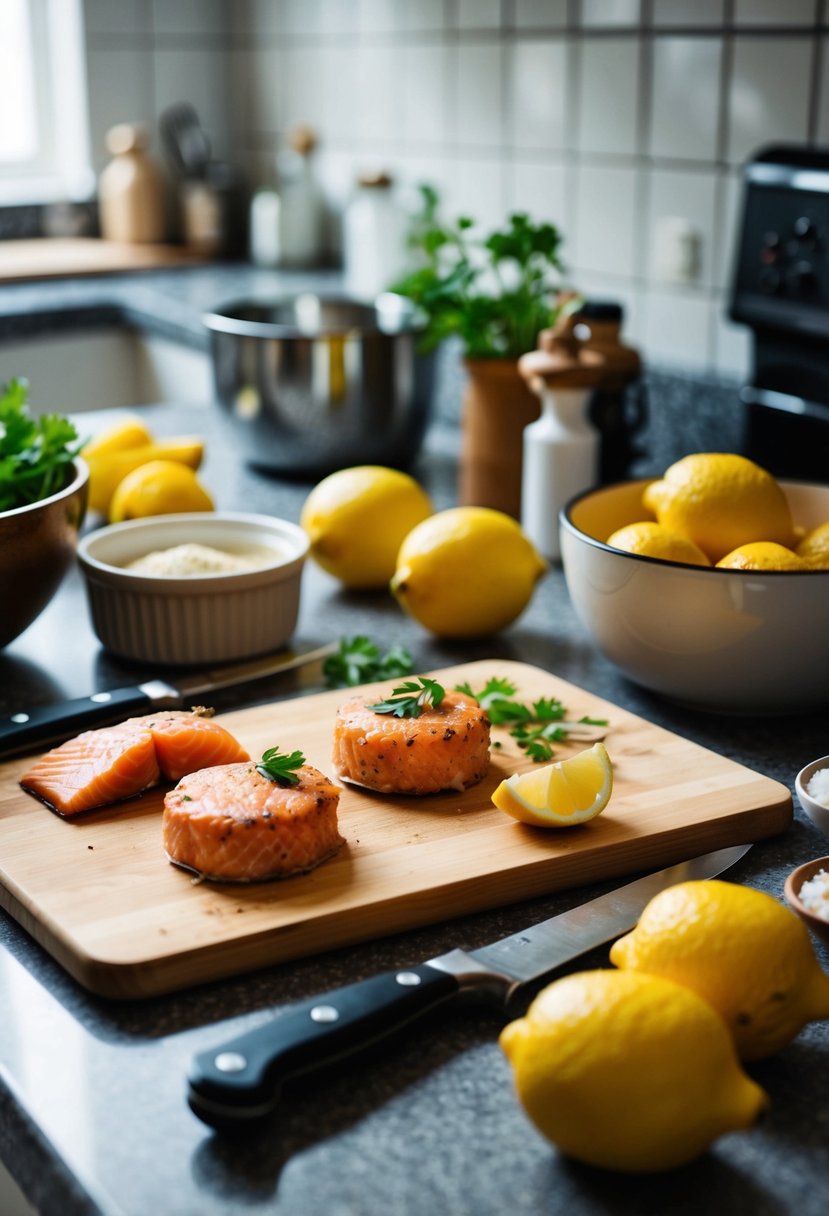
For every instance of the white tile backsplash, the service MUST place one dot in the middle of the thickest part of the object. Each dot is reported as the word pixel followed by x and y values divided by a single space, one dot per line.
pixel 480 95
pixel 616 119
pixel 539 87
pixel 685 98
pixel 608 96
pixel 604 230
pixel 769 96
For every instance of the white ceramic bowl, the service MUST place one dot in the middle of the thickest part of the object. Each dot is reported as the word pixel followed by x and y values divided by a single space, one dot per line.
pixel 731 641
pixel 818 814
pixel 206 618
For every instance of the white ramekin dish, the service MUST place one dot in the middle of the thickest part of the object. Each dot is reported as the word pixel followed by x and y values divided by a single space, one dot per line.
pixel 731 641
pixel 818 813
pixel 205 618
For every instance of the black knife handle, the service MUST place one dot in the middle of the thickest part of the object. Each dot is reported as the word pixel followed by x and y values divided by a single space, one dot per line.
pixel 47 724
pixel 239 1080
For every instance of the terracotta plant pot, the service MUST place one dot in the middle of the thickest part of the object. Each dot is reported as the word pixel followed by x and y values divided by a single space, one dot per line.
pixel 497 406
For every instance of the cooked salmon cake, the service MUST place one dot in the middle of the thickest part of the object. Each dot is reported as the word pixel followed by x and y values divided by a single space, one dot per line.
pixel 445 748
pixel 100 767
pixel 234 824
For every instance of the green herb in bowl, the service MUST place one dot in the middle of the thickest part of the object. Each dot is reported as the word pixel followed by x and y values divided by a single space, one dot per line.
pixel 36 454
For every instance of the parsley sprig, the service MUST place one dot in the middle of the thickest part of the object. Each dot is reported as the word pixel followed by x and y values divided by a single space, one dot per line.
pixel 279 766
pixel 410 699
pixel 35 453
pixel 359 661
pixel 535 727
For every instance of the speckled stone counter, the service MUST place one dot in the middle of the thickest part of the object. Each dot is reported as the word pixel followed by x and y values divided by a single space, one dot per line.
pixel 93 1117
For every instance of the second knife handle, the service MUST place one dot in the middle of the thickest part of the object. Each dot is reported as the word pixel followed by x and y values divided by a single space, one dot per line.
pixel 239 1080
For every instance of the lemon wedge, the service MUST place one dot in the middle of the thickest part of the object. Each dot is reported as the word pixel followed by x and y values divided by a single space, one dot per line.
pixel 561 794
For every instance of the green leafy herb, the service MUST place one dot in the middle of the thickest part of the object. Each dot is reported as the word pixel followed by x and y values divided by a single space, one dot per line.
pixel 495 293
pixel 410 699
pixel 358 661
pixel 279 766
pixel 535 727
pixel 35 453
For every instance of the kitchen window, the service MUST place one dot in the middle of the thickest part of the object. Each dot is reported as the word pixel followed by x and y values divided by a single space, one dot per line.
pixel 44 131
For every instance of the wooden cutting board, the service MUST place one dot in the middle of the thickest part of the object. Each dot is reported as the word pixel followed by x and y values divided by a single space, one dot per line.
pixel 61 257
pixel 101 897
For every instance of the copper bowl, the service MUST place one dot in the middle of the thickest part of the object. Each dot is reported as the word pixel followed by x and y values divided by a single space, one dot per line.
pixel 791 890
pixel 37 547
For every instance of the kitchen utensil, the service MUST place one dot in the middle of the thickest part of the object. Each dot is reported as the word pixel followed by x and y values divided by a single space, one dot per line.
pixel 37 548
pixel 130 191
pixel 561 449
pixel 239 1080
pixel 45 725
pixel 202 618
pixel 406 862
pixel 317 383
pixel 185 140
pixel 732 641
pixel 792 889
pixel 817 812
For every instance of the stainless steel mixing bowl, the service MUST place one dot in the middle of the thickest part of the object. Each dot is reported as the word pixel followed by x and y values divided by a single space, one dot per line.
pixel 319 383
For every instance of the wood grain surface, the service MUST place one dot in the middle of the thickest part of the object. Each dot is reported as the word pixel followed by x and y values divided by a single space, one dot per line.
pixel 100 896
pixel 59 257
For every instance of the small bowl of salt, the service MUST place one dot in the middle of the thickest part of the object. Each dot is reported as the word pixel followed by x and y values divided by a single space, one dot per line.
pixel 807 892
pixel 812 787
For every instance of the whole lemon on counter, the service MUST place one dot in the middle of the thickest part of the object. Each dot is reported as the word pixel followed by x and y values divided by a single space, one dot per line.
pixel 466 572
pixel 739 949
pixel 720 501
pixel 628 1072
pixel 160 487
pixel 356 520
pixel 654 540
pixel 108 468
pixel 130 432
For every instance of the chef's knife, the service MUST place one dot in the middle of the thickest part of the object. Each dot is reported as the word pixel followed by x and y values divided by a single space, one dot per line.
pixel 239 1080
pixel 49 724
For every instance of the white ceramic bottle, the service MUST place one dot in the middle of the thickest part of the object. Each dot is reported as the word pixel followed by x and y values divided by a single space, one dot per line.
pixel 560 458
pixel 374 238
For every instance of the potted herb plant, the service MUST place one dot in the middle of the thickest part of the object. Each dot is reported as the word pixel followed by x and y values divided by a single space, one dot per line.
pixel 495 294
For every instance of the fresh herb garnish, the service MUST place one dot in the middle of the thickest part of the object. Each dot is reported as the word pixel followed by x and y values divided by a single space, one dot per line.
pixel 279 766
pixel 359 661
pixel 535 727
pixel 35 453
pixel 410 699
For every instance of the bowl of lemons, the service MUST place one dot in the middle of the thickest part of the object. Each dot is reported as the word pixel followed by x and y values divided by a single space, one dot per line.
pixel 709 585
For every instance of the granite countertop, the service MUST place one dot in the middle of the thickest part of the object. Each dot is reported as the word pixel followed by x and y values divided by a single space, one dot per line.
pixel 93 1117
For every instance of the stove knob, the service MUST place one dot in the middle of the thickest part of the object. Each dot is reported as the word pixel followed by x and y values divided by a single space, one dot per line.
pixel 805 230
pixel 800 280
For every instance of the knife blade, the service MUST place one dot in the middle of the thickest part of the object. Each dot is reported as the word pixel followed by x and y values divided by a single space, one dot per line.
pixel 49 724
pixel 239 1080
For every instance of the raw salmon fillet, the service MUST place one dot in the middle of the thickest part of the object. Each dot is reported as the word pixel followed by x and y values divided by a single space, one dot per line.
pixel 446 748
pixel 104 766
pixel 233 824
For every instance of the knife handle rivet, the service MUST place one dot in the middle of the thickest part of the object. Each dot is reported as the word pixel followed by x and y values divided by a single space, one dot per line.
pixel 20 718
pixel 101 697
pixel 230 1061
pixel 325 1013
pixel 407 979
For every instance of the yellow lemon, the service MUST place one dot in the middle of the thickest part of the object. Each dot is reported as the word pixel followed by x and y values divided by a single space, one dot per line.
pixel 108 469
pixel 720 500
pixel 466 572
pixel 741 950
pixel 161 487
pixel 129 433
pixel 814 548
pixel 356 520
pixel 653 540
pixel 762 555
pixel 628 1072
pixel 557 795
